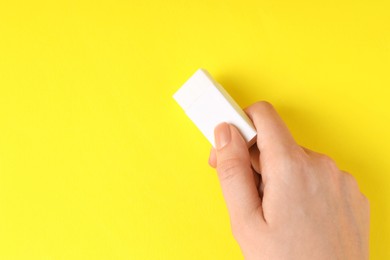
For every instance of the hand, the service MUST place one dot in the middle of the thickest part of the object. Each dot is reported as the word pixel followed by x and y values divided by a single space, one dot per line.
pixel 285 201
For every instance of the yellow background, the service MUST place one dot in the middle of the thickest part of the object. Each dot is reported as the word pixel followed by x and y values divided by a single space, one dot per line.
pixel 97 161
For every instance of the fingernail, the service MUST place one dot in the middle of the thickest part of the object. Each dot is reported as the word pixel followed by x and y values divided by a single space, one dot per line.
pixel 222 135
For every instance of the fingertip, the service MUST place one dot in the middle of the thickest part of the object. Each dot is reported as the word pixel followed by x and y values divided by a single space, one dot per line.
pixel 213 158
pixel 263 105
pixel 275 135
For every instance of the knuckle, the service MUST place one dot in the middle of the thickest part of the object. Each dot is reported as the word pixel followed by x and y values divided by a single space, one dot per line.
pixel 352 182
pixel 297 159
pixel 228 168
pixel 352 186
pixel 328 161
pixel 299 155
pixel 337 177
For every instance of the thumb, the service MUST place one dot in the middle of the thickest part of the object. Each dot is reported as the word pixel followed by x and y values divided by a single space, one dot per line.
pixel 236 175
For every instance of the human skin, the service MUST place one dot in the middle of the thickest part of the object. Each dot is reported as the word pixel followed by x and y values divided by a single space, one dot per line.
pixel 286 201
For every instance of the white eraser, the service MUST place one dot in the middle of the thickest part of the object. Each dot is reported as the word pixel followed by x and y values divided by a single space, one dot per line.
pixel 208 104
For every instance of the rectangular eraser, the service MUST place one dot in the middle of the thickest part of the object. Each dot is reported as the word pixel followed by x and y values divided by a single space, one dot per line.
pixel 208 104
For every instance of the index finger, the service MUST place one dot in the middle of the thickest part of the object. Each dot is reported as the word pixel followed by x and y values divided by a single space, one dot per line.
pixel 273 135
